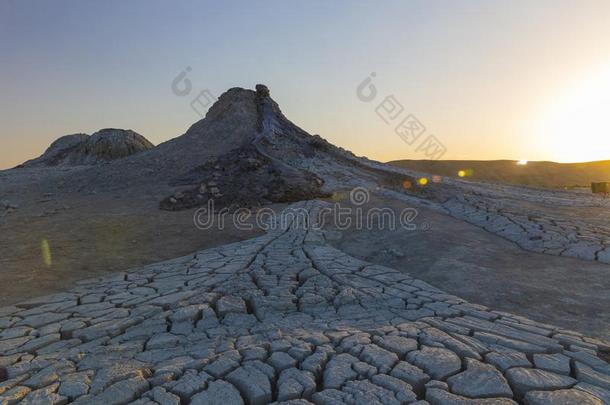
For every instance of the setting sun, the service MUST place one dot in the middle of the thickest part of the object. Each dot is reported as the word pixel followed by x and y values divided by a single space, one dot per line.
pixel 576 127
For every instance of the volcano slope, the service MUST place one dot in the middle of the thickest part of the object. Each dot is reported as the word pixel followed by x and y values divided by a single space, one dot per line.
pixel 284 318
pixel 178 174
pixel 555 222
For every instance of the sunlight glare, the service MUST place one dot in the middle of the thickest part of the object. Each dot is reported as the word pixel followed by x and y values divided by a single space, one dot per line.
pixel 576 127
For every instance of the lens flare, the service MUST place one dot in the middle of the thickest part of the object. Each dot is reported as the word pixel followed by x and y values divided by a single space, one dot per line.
pixel 46 253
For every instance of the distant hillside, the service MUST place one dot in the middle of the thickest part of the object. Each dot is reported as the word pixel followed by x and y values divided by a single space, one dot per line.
pixel 537 174
pixel 82 149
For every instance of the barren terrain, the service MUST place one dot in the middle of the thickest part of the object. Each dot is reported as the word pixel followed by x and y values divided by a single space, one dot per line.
pixel 284 318
pixel 498 296
pixel 536 174
pixel 94 235
pixel 486 269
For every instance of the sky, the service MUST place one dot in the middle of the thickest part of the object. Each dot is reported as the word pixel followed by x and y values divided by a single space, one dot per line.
pixel 486 79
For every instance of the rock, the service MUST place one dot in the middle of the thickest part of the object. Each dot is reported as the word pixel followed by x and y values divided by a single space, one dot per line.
pixel 6 385
pixel 555 363
pixel 252 184
pixel 189 384
pixel 590 359
pixel 397 344
pixel 171 300
pixel 253 384
pixel 46 395
pixel 440 397
pixel 402 391
pixel 48 375
pixel 223 365
pixel 315 363
pixel 479 381
pixel 262 90
pixel 523 380
pixel 587 374
pixel 218 393
pixel 506 360
pixel 437 385
pixel 121 393
pixel 162 397
pixel 75 385
pixel 357 392
pixel 230 304
pixel 162 340
pixel 594 390
pixel 14 395
pixel 281 361
pixel 561 397
pixel 339 370
pixel 121 371
pixel 10 344
pixel 294 383
pixel 382 359
pixel 439 363
pixel 411 375
pixel 38 343
pixel 36 321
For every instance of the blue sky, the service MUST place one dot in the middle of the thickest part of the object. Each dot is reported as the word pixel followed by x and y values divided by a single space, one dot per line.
pixel 480 75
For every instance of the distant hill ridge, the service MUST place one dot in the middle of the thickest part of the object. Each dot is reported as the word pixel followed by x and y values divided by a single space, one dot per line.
pixel 537 174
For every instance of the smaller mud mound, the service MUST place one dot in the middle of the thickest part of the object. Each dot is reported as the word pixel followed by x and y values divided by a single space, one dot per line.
pixel 110 144
pixel 243 178
pixel 81 149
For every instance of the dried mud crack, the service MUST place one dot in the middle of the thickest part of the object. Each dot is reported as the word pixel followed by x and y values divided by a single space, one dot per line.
pixel 284 318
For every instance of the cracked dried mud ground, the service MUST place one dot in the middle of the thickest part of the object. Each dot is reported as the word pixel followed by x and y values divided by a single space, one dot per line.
pixel 483 268
pixel 285 318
